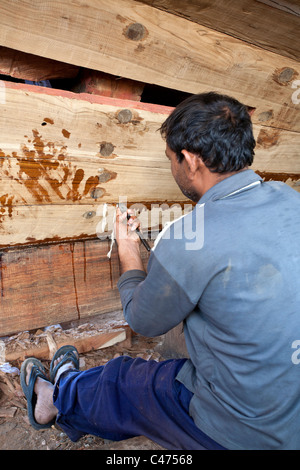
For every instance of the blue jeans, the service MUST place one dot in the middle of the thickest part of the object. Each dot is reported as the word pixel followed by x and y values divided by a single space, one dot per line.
pixel 126 398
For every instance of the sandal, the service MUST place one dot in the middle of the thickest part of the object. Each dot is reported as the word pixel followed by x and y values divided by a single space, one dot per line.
pixel 37 370
pixel 70 354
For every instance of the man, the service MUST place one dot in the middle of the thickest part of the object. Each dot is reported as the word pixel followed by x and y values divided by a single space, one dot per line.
pixel 230 271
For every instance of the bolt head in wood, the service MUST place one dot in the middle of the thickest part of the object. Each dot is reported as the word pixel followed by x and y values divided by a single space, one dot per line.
pixel 285 75
pixel 135 32
pixel 124 116
pixel 97 192
pixel 106 149
pixel 89 214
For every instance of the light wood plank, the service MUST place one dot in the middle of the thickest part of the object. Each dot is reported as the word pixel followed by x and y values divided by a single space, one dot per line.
pixel 292 6
pixel 277 151
pixel 54 284
pixel 53 163
pixel 128 39
pixel 71 155
pixel 83 343
pixel 67 140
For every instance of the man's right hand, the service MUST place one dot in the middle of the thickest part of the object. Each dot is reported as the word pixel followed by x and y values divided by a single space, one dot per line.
pixel 128 241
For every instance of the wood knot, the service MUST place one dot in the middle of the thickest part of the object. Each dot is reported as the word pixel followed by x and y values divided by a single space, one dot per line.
pixel 135 32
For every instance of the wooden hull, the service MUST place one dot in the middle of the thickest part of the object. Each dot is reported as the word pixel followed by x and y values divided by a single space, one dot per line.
pixel 67 159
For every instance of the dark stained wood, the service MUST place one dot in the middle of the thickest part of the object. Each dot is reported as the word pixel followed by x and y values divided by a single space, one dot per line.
pixel 273 26
pixel 129 39
pixel 57 283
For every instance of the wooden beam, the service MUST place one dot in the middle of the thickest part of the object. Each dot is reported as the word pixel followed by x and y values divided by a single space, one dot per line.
pixel 46 285
pixel 135 41
pixel 292 6
pixel 39 288
pixel 268 24
pixel 99 333
pixel 74 153
pixel 99 340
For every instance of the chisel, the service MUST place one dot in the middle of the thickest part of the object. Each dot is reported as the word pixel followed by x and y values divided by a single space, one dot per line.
pixel 143 240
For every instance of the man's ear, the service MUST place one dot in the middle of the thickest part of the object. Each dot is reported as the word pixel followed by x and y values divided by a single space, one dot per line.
pixel 250 110
pixel 193 162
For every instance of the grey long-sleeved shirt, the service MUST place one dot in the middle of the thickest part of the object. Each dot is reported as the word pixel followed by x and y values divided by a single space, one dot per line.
pixel 230 270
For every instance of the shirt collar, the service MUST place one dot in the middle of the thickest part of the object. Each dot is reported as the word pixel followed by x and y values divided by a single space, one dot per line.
pixel 236 182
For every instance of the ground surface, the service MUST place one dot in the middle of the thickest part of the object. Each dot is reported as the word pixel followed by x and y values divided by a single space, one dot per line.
pixel 16 432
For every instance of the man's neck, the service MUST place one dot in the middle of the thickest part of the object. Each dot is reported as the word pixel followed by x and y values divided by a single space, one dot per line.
pixel 210 179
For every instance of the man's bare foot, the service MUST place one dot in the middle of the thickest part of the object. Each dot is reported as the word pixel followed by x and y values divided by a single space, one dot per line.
pixel 44 410
pixel 63 368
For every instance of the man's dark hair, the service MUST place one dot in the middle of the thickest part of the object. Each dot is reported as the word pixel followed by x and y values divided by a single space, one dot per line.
pixel 216 127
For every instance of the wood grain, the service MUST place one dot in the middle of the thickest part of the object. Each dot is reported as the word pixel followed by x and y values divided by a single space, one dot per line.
pixel 63 156
pixel 56 283
pixel 139 42
pixel 272 26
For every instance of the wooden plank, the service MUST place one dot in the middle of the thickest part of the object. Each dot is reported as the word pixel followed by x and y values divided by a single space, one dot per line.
pixel 83 343
pixel 135 41
pixel 58 283
pixel 31 67
pixel 72 155
pixel 75 152
pixel 270 24
pixel 52 284
pixel 31 225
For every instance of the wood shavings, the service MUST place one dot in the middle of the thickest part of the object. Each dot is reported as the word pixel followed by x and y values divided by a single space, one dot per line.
pixel 8 412
pixel 51 343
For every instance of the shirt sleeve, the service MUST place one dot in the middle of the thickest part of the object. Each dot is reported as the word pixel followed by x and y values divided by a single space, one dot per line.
pixel 153 303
